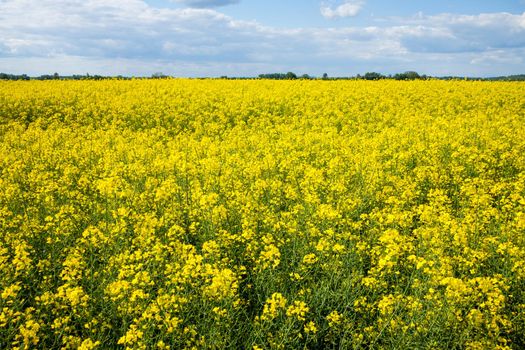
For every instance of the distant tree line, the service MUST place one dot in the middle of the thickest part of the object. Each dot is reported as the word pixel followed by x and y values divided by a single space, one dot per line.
pixel 5 76
pixel 279 76
pixel 517 77
pixel 56 76
pixel 410 75
pixel 367 76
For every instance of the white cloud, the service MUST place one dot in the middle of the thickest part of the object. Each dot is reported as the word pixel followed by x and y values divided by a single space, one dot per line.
pixel 207 3
pixel 349 8
pixel 465 33
pixel 130 37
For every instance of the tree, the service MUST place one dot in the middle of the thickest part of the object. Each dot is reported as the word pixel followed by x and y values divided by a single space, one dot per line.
pixel 278 76
pixel 325 76
pixel 410 75
pixel 373 76
pixel 5 76
pixel 158 75
pixel 291 75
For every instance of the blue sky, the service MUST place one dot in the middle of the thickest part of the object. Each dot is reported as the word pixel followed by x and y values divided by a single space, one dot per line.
pixel 250 37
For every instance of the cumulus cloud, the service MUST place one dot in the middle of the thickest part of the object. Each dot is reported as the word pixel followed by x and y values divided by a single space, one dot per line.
pixel 131 37
pixel 121 28
pixel 207 3
pixel 349 8
pixel 450 33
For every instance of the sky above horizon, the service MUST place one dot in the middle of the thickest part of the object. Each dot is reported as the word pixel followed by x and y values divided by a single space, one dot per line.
pixel 248 37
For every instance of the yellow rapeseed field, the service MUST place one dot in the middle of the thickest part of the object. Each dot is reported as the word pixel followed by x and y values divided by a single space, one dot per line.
pixel 214 214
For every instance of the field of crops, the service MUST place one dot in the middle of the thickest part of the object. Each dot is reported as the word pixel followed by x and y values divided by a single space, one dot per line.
pixel 262 214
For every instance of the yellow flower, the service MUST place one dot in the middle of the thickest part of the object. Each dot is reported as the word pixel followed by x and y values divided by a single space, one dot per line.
pixel 11 291
pixel 29 332
pixel 223 284
pixel 334 318
pixel 298 310
pixel 88 344
pixel 272 306
pixel 132 336
pixel 310 259
pixel 310 327
pixel 269 257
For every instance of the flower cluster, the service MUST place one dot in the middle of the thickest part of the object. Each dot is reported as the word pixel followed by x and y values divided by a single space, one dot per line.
pixel 259 214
